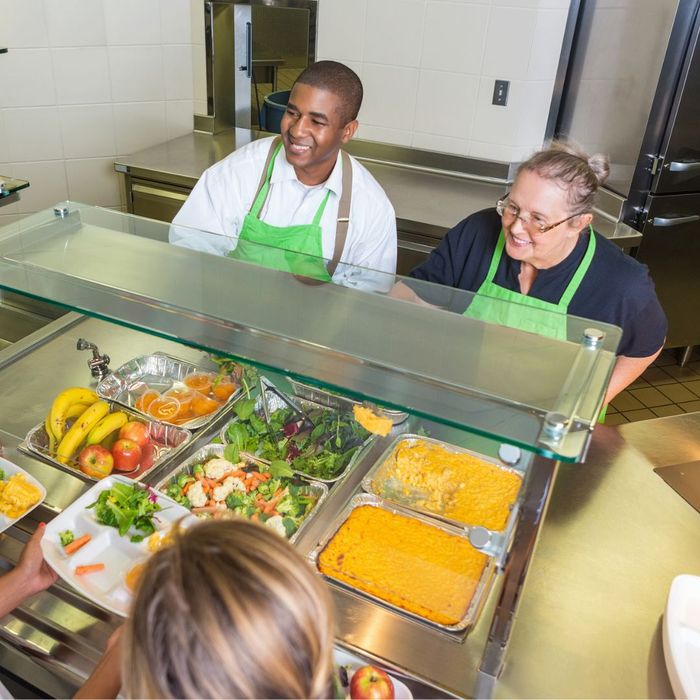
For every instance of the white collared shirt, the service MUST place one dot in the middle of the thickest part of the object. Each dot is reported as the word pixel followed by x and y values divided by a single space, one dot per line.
pixel 224 195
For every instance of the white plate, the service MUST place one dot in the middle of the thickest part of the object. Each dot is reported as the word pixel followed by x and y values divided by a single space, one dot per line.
pixel 343 658
pixel 682 636
pixel 107 587
pixel 10 468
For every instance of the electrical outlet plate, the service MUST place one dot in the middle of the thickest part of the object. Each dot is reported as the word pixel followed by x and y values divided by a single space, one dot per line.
pixel 500 92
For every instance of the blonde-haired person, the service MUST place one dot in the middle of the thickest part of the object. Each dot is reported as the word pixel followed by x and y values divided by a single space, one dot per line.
pixel 230 610
pixel 536 248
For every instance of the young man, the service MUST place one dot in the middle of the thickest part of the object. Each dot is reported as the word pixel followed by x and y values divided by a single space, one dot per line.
pixel 296 202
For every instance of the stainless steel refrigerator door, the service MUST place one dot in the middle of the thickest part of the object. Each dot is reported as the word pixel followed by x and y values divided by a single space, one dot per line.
pixel 680 148
pixel 671 248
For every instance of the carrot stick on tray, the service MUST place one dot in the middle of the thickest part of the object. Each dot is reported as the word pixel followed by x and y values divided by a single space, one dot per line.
pixel 88 569
pixel 75 545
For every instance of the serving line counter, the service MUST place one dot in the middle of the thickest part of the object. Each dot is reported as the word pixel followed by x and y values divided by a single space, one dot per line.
pixel 431 192
pixel 538 394
pixel 589 623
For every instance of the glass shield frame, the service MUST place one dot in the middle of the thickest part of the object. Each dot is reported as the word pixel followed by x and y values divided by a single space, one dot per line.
pixel 352 336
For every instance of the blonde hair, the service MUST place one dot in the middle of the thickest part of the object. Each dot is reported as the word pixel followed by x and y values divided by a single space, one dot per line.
pixel 573 169
pixel 229 610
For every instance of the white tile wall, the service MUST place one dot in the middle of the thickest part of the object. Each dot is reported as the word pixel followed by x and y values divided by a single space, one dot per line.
pixel 428 67
pixel 85 81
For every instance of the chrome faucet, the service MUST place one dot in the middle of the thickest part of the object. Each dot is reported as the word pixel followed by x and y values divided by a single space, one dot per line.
pixel 98 364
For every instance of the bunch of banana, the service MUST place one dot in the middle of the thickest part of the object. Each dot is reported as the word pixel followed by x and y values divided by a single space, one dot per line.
pixel 89 419
pixel 69 403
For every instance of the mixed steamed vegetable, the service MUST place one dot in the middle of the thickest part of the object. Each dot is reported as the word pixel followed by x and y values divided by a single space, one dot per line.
pixel 217 487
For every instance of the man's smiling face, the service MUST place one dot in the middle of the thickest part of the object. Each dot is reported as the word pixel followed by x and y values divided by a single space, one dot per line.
pixel 313 129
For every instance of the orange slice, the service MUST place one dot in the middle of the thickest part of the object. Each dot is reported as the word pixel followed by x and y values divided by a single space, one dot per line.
pixel 146 399
pixel 133 576
pixel 203 405
pixel 199 381
pixel 164 408
pixel 223 387
pixel 185 397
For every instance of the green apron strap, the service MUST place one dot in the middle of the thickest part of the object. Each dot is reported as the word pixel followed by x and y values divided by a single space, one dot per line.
pixel 264 185
pixel 580 273
pixel 495 259
pixel 343 221
pixel 320 210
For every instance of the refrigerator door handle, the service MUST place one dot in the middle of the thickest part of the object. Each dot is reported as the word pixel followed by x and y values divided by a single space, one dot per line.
pixel 680 166
pixel 674 220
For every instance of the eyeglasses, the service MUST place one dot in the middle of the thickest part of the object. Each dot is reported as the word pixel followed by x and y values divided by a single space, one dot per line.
pixel 506 208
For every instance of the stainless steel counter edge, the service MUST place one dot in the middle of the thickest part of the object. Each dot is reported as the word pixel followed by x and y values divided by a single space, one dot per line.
pixel 427 189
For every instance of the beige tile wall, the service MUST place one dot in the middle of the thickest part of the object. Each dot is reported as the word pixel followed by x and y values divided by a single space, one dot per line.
pixel 428 67
pixel 85 81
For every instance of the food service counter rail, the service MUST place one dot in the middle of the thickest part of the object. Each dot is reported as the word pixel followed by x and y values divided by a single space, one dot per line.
pixel 593 599
pixel 429 196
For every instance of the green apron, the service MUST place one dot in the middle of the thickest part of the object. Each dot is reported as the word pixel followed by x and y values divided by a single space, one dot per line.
pixel 296 249
pixel 496 304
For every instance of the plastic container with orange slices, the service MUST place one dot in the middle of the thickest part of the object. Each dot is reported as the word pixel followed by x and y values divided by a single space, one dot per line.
pixel 171 390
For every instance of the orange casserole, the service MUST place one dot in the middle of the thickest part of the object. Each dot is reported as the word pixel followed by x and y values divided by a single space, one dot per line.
pixel 455 485
pixel 405 562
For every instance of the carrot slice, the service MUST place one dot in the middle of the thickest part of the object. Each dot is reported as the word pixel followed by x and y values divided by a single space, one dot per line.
pixel 88 569
pixel 75 545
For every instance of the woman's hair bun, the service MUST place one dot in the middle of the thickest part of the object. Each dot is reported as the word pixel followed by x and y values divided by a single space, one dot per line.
pixel 600 165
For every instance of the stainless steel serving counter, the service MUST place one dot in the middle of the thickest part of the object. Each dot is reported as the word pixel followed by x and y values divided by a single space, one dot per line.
pixel 588 625
pixel 430 192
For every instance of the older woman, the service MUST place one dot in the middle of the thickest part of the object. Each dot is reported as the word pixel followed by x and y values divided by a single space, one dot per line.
pixel 537 249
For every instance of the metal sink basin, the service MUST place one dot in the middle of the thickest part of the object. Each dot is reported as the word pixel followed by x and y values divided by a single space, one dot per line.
pixel 19 317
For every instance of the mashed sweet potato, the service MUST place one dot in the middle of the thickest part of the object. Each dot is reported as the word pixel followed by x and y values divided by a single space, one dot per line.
pixel 456 485
pixel 405 562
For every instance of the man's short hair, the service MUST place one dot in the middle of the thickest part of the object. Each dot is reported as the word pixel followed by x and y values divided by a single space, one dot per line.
pixel 338 79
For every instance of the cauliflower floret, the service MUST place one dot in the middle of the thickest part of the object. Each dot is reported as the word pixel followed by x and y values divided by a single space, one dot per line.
pixel 216 468
pixel 196 495
pixel 231 483
pixel 275 522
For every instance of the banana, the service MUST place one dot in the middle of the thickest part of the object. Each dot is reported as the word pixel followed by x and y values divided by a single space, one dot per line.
pixel 49 432
pixel 76 410
pixel 79 430
pixel 106 427
pixel 63 402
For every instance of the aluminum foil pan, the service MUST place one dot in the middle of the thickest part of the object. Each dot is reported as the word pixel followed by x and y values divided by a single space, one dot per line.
pixel 476 603
pixel 161 372
pixel 274 402
pixel 338 402
pixel 168 440
pixel 217 450
pixel 393 490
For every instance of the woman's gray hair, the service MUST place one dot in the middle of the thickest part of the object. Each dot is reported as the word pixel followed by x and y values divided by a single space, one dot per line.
pixel 573 169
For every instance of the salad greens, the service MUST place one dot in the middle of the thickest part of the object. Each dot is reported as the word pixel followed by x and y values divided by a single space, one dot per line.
pixel 66 537
pixel 246 375
pixel 321 451
pixel 127 507
pixel 2 474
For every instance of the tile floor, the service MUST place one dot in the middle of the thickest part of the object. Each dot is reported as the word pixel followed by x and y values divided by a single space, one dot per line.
pixel 665 389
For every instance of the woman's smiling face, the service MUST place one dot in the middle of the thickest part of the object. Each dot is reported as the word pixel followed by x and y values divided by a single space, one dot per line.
pixel 539 201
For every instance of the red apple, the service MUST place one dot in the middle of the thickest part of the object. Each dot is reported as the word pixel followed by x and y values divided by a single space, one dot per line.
pixel 96 461
pixel 138 432
pixel 371 682
pixel 127 455
pixel 149 454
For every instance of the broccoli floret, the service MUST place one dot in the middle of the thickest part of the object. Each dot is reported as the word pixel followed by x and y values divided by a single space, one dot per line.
pixel 66 537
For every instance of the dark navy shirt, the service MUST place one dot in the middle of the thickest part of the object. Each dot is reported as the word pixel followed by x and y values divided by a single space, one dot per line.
pixel 616 289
